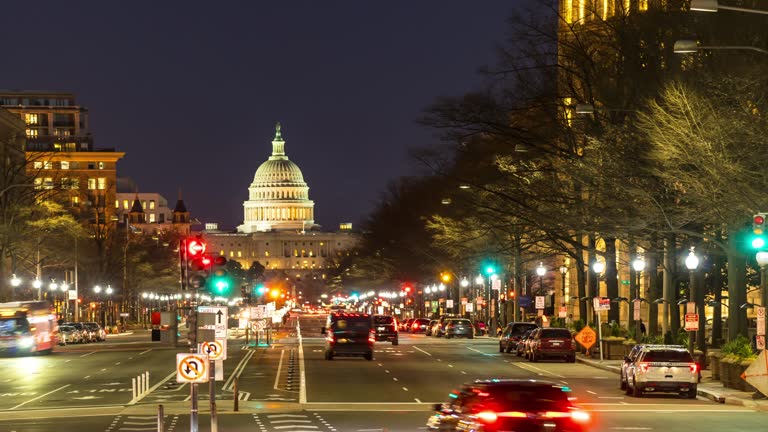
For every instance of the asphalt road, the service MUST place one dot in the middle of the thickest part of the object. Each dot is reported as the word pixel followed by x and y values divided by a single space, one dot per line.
pixel 88 388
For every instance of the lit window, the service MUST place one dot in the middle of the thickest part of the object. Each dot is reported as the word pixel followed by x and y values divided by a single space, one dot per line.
pixel 643 5
pixel 63 132
pixel 64 165
pixel 47 165
pixel 74 183
pixel 239 254
pixel 117 204
pixel 125 204
pixel 151 204
pixel 101 165
pixel 91 183
pixel 102 183
pixel 31 119
pixel 144 204
pixel 152 218
pixel 65 183
pixel 48 183
pixel 37 165
pixel 32 133
pixel 75 200
pixel 266 253
pixel 38 183
pixel 231 254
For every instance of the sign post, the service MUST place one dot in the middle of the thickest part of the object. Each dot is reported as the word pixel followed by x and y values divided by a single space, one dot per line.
pixel 760 337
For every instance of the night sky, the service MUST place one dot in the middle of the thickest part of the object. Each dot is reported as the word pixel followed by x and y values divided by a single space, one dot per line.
pixel 191 90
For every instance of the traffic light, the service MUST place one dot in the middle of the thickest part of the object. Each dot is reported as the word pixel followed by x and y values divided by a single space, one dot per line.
pixel 221 283
pixel 758 239
pixel 194 262
pixel 445 277
pixel 489 269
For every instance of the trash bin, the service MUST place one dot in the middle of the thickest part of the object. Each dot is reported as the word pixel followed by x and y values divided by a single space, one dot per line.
pixel 155 335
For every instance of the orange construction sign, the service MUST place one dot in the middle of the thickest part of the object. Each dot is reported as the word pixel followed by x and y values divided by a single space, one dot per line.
pixel 586 337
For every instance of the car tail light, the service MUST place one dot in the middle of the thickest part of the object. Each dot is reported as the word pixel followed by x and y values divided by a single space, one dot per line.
pixel 556 414
pixel 515 414
pixel 372 336
pixel 643 367
pixel 487 416
pixel 580 416
pixel 694 367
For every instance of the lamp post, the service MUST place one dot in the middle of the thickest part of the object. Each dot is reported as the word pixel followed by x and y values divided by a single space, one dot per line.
pixel 462 286
pixel 692 262
pixel 541 271
pixel 762 261
pixel 563 272
pixel 639 265
pixel 479 281
pixel 108 313
pixel 598 268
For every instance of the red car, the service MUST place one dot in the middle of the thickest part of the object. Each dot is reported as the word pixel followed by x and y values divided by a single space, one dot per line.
pixel 419 325
pixel 552 342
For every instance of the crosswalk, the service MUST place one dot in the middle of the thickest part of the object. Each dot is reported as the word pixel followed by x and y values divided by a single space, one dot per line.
pixel 310 422
pixel 138 423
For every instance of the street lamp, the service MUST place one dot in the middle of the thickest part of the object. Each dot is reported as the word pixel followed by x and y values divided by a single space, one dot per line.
pixel 692 262
pixel 563 272
pixel 598 268
pixel 639 265
pixel 713 6
pixel 541 271
pixel 15 281
pixel 685 46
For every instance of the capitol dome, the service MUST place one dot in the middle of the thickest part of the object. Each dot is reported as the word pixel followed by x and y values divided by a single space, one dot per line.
pixel 278 198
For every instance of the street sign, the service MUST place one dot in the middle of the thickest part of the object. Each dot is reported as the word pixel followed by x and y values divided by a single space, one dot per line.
pixel 757 373
pixel 449 303
pixel 636 312
pixel 690 308
pixel 191 368
pixel 220 319
pixel 586 337
pixel 496 284
pixel 563 312
pixel 464 300
pixel 760 342
pixel 691 322
pixel 601 304
pixel 72 294
pixel 524 301
pixel 216 350
pixel 468 307
pixel 539 302
pixel 760 320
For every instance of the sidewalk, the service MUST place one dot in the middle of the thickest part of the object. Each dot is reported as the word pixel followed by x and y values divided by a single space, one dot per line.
pixel 712 390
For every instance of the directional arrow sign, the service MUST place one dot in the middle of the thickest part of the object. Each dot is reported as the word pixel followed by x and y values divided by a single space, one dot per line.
pixel 191 368
pixel 220 313
pixel 218 316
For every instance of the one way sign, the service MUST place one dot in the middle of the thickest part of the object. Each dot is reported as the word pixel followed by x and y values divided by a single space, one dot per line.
pixel 220 319
pixel 191 368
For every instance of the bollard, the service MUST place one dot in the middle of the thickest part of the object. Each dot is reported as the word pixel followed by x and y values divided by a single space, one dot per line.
pixel 237 397
pixel 160 419
pixel 146 383
pixel 141 385
pixel 133 381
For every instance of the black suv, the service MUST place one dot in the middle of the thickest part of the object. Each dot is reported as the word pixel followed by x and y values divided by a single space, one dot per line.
pixel 386 328
pixel 349 334
pixel 512 335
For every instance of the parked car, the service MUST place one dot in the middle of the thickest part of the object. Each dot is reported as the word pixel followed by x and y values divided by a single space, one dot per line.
pixel 552 342
pixel 661 369
pixel 430 327
pixel 69 335
pixel 406 325
pixel 496 405
pixel 461 327
pixel 419 325
pixel 85 333
pixel 386 328
pixel 99 335
pixel 349 334
pixel 512 334
pixel 630 358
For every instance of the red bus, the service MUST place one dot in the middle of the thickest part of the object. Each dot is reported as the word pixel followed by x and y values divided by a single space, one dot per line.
pixel 27 327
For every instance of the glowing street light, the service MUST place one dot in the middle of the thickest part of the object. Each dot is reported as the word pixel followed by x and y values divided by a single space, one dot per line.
pixel 15 281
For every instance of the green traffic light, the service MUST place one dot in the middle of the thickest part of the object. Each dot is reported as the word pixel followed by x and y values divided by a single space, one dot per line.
pixel 758 242
pixel 490 270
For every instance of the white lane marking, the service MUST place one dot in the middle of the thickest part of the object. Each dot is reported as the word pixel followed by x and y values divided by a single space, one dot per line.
pixel 591 392
pixel 117 363
pixel 610 397
pixel 463 372
pixel 386 371
pixel 417 400
pixel 422 351
pixel 86 377
pixel 380 364
pixel 478 351
pixel 405 388
pixel 279 366
pixel 103 370
pixel 450 365
pixel 291 421
pixel 286 415
pixel 238 370
pixel 302 372
pixel 171 375
pixel 87 354
pixel 394 379
pixel 67 361
pixel 39 397
pixel 439 360
pixel 536 369
pixel 144 352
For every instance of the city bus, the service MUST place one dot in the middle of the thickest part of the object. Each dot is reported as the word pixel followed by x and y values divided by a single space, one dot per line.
pixel 27 327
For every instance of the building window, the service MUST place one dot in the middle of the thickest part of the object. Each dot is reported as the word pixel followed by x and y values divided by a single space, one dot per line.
pixel 64 165
pixel 74 183
pixel 125 204
pixel 61 132
pixel 101 165
pixel 91 165
pixel 65 182
pixel 102 183
pixel 75 201
pixel 31 119
pixel 48 183
pixel 38 183
pixel 151 204
pixel 47 165
pixel 91 184
pixel 239 254
pixel 231 254
pixel 38 165
pixel 152 218
pixel 266 253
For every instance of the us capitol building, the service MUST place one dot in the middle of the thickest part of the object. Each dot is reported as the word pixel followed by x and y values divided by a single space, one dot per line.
pixel 278 227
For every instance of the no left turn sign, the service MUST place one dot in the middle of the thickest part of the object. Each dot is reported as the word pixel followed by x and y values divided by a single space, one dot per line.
pixel 191 368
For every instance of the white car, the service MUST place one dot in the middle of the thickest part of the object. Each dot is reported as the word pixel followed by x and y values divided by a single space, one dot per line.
pixel 630 358
pixel 663 369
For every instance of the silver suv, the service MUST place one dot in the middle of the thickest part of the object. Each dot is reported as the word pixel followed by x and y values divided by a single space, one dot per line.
pixel 663 368
pixel 630 358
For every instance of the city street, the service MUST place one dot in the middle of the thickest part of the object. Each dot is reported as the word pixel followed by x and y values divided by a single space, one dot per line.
pixel 88 388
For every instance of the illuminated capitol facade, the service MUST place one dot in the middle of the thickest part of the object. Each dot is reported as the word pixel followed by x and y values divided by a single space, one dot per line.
pixel 278 228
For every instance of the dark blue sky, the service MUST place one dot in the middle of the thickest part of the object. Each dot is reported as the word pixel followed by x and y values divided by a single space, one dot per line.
pixel 191 90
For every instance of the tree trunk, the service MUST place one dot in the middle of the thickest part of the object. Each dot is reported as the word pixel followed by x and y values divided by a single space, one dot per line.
pixel 737 282
pixel 717 313
pixel 671 290
pixel 611 281
pixel 652 266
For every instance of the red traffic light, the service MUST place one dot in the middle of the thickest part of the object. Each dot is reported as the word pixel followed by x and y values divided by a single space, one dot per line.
pixel 206 261
pixel 758 220
pixel 195 247
pixel 407 289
